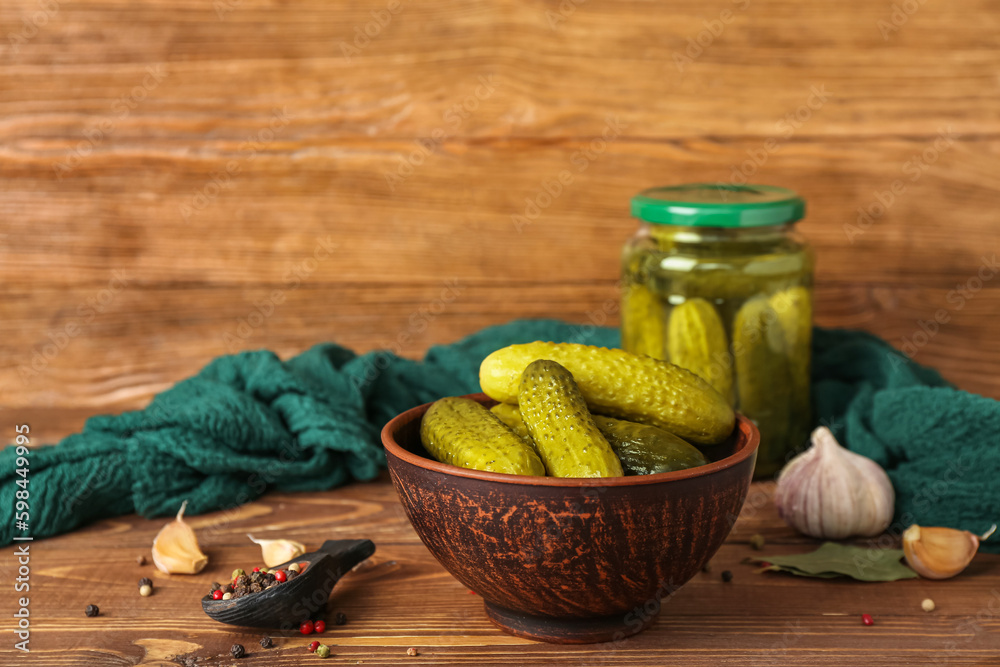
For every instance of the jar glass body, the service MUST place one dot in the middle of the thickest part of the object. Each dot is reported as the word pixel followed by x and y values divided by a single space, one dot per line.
pixel 733 305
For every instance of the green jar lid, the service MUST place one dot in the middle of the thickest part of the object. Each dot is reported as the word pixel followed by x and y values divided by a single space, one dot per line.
pixel 718 205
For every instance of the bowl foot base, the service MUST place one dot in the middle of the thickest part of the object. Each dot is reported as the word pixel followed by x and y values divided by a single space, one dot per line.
pixel 567 630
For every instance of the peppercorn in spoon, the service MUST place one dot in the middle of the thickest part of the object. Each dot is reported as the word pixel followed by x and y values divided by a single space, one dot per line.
pixel 294 600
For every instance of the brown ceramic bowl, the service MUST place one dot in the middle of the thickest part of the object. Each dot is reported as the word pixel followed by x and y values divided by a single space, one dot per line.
pixel 570 560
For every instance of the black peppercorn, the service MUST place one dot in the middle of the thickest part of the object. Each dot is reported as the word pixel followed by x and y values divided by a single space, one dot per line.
pixel 265 642
pixel 238 651
pixel 340 618
pixel 216 586
pixel 292 574
pixel 145 581
pixel 727 576
pixel 92 610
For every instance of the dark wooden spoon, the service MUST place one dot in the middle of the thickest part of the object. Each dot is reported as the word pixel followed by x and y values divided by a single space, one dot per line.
pixel 303 598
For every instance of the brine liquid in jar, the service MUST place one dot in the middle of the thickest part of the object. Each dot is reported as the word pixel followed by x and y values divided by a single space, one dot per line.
pixel 718 281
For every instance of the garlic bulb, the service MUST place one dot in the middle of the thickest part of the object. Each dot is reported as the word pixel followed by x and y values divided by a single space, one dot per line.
pixel 175 549
pixel 830 492
pixel 276 552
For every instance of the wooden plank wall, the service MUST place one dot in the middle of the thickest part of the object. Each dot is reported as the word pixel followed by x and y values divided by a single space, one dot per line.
pixel 169 170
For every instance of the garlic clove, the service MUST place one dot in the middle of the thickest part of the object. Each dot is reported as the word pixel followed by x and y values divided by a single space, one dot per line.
pixel 276 552
pixel 940 553
pixel 175 549
pixel 833 493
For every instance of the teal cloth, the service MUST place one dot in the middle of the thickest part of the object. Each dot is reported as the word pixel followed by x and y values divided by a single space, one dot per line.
pixel 249 422
pixel 940 445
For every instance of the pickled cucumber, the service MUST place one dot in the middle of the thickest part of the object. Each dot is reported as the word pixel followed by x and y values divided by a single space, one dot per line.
pixel 696 340
pixel 793 307
pixel 619 384
pixel 464 433
pixel 645 449
pixel 511 416
pixel 641 448
pixel 643 315
pixel 568 440
pixel 642 322
pixel 762 378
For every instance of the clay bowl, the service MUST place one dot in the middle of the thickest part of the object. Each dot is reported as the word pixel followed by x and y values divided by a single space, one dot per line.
pixel 570 560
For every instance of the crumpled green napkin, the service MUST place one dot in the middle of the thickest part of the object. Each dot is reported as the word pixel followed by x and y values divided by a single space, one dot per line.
pixel 940 445
pixel 249 422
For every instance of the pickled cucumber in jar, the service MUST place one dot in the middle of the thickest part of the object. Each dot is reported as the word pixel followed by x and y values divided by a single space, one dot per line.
pixel 643 316
pixel 718 281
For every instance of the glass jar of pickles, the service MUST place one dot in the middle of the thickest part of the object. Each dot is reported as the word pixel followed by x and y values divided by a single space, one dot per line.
pixel 718 281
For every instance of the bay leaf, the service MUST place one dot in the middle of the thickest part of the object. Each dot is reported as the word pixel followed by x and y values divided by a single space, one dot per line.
pixel 834 560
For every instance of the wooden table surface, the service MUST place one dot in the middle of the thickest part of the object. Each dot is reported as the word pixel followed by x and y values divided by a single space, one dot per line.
pixel 184 180
pixel 121 217
pixel 402 598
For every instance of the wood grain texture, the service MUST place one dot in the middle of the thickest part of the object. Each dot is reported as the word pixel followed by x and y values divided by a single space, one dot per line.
pixel 402 597
pixel 563 70
pixel 161 218
pixel 123 355
pixel 167 170
pixel 206 155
